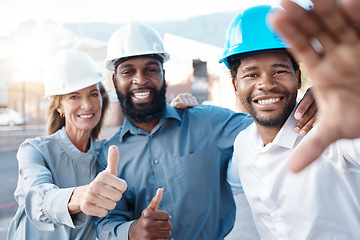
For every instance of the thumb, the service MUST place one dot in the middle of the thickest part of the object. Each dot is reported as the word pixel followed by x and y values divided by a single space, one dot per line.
pixel 113 160
pixel 310 149
pixel 154 204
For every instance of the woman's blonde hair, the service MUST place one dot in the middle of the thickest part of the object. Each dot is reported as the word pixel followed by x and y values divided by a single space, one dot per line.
pixel 55 122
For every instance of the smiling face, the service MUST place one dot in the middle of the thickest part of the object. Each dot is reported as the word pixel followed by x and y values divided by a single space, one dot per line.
pixel 82 110
pixel 267 87
pixel 141 89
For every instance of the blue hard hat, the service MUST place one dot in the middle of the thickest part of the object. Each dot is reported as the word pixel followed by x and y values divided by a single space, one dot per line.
pixel 249 32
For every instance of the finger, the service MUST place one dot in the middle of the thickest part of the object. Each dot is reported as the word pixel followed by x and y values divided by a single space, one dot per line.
pixel 93 199
pixel 306 21
pixel 178 101
pixel 164 238
pixel 193 101
pixel 113 160
pixel 309 149
pixel 306 102
pixel 301 46
pixel 334 21
pixel 94 210
pixel 352 9
pixel 154 204
pixel 307 127
pixel 185 100
pixel 175 104
pixel 162 234
pixel 305 123
pixel 158 215
pixel 108 186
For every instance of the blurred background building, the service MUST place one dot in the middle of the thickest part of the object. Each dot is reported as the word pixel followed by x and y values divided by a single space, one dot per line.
pixel 195 46
pixel 193 66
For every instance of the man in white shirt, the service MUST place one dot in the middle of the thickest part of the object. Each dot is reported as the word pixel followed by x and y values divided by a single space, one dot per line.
pixel 323 200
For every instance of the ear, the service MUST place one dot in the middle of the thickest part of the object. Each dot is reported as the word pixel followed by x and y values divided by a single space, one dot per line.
pixel 234 82
pixel 59 110
pixel 113 77
pixel 298 76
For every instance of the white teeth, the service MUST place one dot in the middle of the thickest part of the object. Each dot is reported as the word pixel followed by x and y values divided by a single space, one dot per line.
pixel 268 101
pixel 142 95
pixel 86 116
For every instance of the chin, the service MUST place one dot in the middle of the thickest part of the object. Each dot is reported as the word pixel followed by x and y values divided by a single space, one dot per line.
pixel 141 106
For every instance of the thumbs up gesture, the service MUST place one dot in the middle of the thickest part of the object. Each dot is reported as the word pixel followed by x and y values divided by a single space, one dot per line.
pixel 113 160
pixel 102 193
pixel 153 223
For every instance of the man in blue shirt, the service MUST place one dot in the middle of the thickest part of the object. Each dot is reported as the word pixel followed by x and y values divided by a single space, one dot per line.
pixel 178 156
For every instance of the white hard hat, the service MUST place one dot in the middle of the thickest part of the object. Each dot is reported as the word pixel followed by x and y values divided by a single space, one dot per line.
pixel 134 39
pixel 69 71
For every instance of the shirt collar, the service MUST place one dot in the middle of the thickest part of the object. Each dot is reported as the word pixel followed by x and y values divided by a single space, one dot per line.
pixel 129 129
pixel 286 137
pixel 70 148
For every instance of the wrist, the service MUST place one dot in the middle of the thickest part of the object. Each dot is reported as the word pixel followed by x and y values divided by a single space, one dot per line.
pixel 132 231
pixel 74 201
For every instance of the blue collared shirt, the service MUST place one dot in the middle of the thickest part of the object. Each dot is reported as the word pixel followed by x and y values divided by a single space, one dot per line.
pixel 49 170
pixel 187 154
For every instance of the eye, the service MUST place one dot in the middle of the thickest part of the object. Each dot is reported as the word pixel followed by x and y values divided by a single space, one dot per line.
pixel 152 70
pixel 279 72
pixel 127 72
pixel 73 97
pixel 95 94
pixel 251 75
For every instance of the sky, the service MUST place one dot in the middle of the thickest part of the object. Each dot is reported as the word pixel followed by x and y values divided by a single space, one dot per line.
pixel 14 12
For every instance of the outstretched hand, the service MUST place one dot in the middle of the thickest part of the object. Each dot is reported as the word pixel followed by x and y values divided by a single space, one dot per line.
pixel 153 223
pixel 333 66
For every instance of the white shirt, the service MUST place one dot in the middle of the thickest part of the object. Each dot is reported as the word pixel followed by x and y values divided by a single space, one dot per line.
pixel 320 202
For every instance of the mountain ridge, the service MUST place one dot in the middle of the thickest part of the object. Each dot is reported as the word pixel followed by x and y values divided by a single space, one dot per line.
pixel 210 28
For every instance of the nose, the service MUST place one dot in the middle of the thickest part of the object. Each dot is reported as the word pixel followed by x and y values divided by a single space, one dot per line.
pixel 266 83
pixel 86 104
pixel 140 79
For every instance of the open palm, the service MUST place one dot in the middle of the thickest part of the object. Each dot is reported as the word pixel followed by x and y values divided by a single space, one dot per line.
pixel 333 66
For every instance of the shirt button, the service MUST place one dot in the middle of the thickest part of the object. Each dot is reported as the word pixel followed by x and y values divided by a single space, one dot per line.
pixel 172 238
pixel 156 161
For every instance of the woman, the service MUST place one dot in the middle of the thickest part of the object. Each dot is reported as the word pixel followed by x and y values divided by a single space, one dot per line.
pixel 55 198
pixel 54 171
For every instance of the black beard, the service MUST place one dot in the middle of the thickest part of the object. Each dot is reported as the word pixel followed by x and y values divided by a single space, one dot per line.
pixel 276 121
pixel 154 112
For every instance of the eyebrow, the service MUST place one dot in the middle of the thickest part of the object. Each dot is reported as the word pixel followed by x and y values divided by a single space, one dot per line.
pixel 152 63
pixel 248 69
pixel 146 64
pixel 281 65
pixel 77 93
